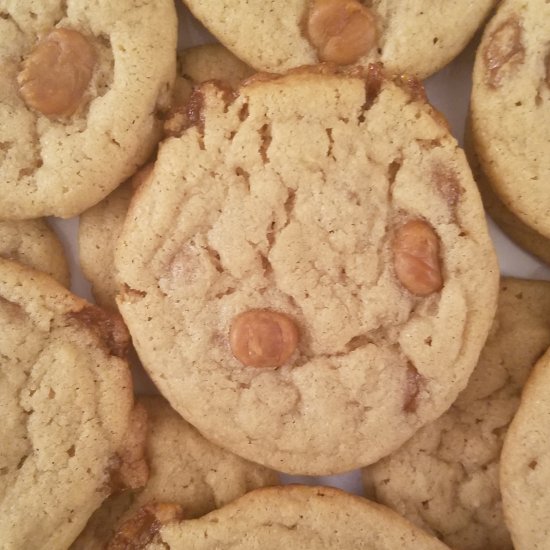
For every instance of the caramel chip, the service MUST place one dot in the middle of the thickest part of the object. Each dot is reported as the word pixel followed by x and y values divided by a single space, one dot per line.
pixel 263 338
pixel 56 74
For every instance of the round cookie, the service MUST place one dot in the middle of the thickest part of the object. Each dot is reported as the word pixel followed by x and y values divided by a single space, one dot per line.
pixel 33 243
pixel 417 37
pixel 309 518
pixel 69 437
pixel 518 231
pixel 83 88
pixel 184 468
pixel 100 226
pixel 282 269
pixel 510 109
pixel 445 478
pixel 525 464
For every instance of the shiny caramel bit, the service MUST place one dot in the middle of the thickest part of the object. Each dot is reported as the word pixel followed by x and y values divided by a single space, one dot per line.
pixel 416 258
pixel 55 75
pixel 263 338
pixel 342 31
pixel 504 51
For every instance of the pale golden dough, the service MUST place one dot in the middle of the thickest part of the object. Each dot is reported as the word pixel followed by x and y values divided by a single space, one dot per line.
pixel 445 478
pixel 510 109
pixel 289 201
pixel 417 36
pixel 33 243
pixel 184 468
pixel 65 403
pixel 61 166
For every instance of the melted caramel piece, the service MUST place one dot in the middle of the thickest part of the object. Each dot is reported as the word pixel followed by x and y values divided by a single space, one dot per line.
pixel 56 74
pixel 263 338
pixel 342 31
pixel 416 258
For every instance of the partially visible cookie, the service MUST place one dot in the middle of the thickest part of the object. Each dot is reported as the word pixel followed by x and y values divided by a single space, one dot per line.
pixel 515 228
pixel 33 243
pixel 525 464
pixel 510 110
pixel 184 468
pixel 83 89
pixel 293 517
pixel 100 226
pixel 414 37
pixel 69 433
pixel 445 478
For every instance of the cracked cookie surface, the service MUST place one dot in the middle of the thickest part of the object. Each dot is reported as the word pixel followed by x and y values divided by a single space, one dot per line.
pixel 510 109
pixel 100 226
pixel 33 243
pixel 62 161
pixel 65 402
pixel 184 468
pixel 525 464
pixel 415 37
pixel 309 518
pixel 445 478
pixel 287 196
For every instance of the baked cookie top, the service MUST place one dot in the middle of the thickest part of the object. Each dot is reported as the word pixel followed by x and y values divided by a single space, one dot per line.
pixel 65 403
pixel 184 468
pixel 445 478
pixel 510 109
pixel 308 275
pixel 100 226
pixel 415 37
pixel 33 243
pixel 309 518
pixel 525 464
pixel 82 89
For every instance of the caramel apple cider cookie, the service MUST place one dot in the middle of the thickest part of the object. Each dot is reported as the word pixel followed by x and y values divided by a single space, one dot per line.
pixel 100 226
pixel 184 468
pixel 70 435
pixel 525 464
pixel 309 518
pixel 445 478
pixel 33 243
pixel 83 90
pixel 307 276
pixel 510 109
pixel 415 37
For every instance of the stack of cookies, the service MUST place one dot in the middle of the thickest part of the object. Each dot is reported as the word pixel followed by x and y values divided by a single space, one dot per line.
pixel 286 234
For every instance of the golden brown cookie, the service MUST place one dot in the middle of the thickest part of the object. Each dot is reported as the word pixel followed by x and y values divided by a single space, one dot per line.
pixel 69 435
pixel 307 275
pixel 445 478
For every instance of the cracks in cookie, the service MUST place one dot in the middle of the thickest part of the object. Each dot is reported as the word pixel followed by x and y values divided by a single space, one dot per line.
pixel 373 85
pixel 414 382
pixel 545 82
pixel 266 138
pixel 244 176
pixel 243 112
pixel 215 258
pixel 330 153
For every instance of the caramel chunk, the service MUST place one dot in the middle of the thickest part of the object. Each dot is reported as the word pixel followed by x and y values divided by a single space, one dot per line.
pixel 263 338
pixel 416 258
pixel 56 74
pixel 505 49
pixel 342 31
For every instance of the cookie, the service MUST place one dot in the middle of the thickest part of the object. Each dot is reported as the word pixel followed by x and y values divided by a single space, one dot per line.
pixel 309 518
pixel 83 88
pixel 100 226
pixel 307 275
pixel 184 468
pixel 33 243
pixel 510 109
pixel 445 478
pixel 418 37
pixel 525 464
pixel 69 434
pixel 515 228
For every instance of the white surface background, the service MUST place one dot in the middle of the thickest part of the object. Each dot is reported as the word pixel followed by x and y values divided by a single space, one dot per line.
pixel 449 91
